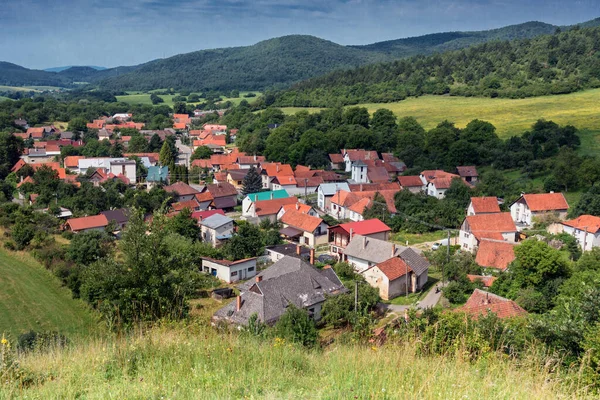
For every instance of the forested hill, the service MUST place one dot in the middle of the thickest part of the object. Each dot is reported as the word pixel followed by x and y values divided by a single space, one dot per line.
pixel 270 63
pixel 551 64
pixel 445 41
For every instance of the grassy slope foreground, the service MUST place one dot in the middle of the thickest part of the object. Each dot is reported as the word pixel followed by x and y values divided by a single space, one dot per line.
pixel 32 298
pixel 195 362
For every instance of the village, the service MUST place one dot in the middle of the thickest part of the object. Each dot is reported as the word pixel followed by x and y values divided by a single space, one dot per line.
pixel 323 216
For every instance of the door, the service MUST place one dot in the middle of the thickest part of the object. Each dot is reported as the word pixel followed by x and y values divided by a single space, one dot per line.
pixel 243 274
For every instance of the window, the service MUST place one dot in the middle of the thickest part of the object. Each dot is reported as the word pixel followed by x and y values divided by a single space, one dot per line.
pixel 250 269
pixel 234 273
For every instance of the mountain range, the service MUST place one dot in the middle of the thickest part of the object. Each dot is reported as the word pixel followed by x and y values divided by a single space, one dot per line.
pixel 274 63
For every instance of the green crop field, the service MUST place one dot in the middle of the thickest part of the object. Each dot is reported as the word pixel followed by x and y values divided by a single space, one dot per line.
pixel 28 88
pixel 144 98
pixel 510 117
pixel 32 298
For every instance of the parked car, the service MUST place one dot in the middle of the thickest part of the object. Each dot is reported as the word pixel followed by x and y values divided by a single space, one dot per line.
pixel 439 244
pixel 326 258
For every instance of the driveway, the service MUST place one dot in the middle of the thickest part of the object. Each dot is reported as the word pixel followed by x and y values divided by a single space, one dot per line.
pixel 430 300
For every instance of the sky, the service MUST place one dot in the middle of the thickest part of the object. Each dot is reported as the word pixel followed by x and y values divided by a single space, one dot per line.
pixel 50 33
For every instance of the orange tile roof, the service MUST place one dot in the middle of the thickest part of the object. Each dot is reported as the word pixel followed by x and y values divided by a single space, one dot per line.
pixel 366 187
pixel 362 155
pixel 495 254
pixel 394 268
pixel 213 127
pixel 284 180
pixel 443 182
pixel 377 175
pixel 590 223
pixel 23 136
pixel 301 221
pixel 486 280
pixel 202 134
pixel 482 303
pixel 181 116
pixel 223 159
pixel 181 188
pixel 388 195
pixel 344 198
pixel 491 226
pixel 95 221
pixel 270 207
pixel 336 158
pixel 72 161
pixel 300 207
pixel 277 169
pixel 410 181
pixel 546 202
pixel 202 164
pixel 26 180
pixel 485 205
pixel 179 125
pixel 96 124
pixel 205 196
pixel 250 159
pixel 433 174
pixel 211 139
pixel 191 204
pixel 360 206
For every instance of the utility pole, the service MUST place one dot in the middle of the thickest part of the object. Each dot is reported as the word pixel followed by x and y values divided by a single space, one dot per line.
pixel 355 296
pixel 447 255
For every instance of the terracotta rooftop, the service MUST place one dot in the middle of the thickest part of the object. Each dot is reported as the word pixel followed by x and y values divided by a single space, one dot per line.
pixel 300 207
pixel 491 226
pixel 482 303
pixel 590 223
pixel 301 221
pixel 277 169
pixel 336 158
pixel 365 228
pixel 546 202
pixel 270 207
pixel 361 155
pixel 483 205
pixel 181 188
pixel 222 190
pixel 191 204
pixel 486 280
pixel 410 181
pixel 378 175
pixel 495 254
pixel 96 221
pixel 432 174
pixel 394 268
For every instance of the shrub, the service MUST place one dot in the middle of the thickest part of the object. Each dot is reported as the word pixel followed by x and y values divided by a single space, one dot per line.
pixel 297 326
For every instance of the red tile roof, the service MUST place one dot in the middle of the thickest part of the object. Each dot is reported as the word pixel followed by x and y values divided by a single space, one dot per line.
pixel 223 159
pixel 213 127
pixel 367 187
pixel 483 205
pixel 301 221
pixel 204 197
pixel 223 189
pixel 394 268
pixel 491 226
pixel 546 202
pixel 482 303
pixel 72 161
pixel 300 207
pixel 211 139
pixel 181 188
pixel 277 169
pixel 377 175
pixel 432 174
pixel 191 204
pixel 365 228
pixel 486 280
pixel 360 206
pixel 467 171
pixel 495 254
pixel 270 207
pixel 180 126
pixel 590 223
pixel 362 155
pixel 443 183
pixel 202 164
pixel 200 215
pixel 410 181
pixel 336 158
pixel 309 182
pixel 284 180
pixel 250 159
pixel 95 221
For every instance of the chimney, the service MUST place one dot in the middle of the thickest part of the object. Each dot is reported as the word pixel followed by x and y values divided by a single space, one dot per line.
pixel 393 249
pixel 297 206
pixel 351 233
pixel 312 256
pixel 238 303
pixel 298 249
pixel 361 187
pixel 271 195
pixel 364 242
pixel 277 167
pixel 255 157
pixel 259 278
pixel 487 298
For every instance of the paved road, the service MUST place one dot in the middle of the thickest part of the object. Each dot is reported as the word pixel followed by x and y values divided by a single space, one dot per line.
pixel 430 300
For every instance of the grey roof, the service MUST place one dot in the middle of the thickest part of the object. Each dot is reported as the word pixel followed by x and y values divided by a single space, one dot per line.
pixel 288 281
pixel 37 152
pixel 120 216
pixel 329 189
pixel 373 250
pixel 215 221
pixel 415 261
pixel 289 249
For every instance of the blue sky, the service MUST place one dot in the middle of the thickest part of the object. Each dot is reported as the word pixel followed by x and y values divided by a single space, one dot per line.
pixel 47 33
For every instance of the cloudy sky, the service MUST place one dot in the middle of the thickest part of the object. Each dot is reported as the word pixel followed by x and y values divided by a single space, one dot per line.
pixel 48 33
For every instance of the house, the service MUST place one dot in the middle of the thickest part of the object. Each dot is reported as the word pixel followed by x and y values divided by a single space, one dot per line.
pixel 230 271
pixel 72 163
pixel 412 183
pixel 191 205
pixel 497 226
pixel 337 161
pixel 246 162
pixel 486 280
pixel 305 186
pixel 224 195
pixel 352 156
pixel 126 168
pixel 157 175
pixel 495 254
pixel 364 252
pixel 21 123
pixel 326 191
pixel 340 235
pixel 438 187
pixel 182 191
pixel 468 174
pixel 402 274
pixel 216 229
pixel 236 177
pixel 271 170
pixel 483 205
pixel 277 252
pixel 290 281
pixel 481 303
pixel 261 196
pixel 86 224
pixel 119 217
pixel 201 215
pixel 300 207
pixel 285 182
pixel 586 229
pixel 266 209
pixel 306 229
pixel 529 206
pixel 340 202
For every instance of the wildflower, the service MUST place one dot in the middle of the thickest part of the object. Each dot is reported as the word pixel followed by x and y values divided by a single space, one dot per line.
pixel 373 348
pixel 4 341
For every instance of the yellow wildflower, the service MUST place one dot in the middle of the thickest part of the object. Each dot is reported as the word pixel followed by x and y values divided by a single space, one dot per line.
pixel 4 341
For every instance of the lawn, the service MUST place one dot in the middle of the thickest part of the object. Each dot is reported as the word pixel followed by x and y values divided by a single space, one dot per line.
pixel 417 238
pixel 28 88
pixel 412 298
pixel 32 298
pixel 144 98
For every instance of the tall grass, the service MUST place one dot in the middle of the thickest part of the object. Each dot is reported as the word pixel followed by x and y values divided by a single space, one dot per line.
pixel 193 361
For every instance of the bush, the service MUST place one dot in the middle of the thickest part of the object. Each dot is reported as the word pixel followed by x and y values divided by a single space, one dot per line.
pixel 297 326
pixel 10 245
pixel 40 341
pixel 67 235
pixel 344 271
pixel 22 233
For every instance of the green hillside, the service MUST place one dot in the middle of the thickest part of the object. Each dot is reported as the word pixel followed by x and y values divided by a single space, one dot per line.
pixel 551 64
pixel 31 298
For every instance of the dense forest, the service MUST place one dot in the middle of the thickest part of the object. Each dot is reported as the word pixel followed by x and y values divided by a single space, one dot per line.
pixel 553 64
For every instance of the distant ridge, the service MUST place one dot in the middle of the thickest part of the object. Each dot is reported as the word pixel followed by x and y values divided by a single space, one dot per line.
pixel 60 69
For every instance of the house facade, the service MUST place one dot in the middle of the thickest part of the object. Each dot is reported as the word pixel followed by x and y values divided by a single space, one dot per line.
pixel 397 276
pixel 326 191
pixel 498 226
pixel 230 271
pixel 586 229
pixel 341 235
pixel 529 206
pixel 216 229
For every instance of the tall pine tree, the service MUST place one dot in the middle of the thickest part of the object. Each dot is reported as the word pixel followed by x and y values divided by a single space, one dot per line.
pixel 166 155
pixel 252 182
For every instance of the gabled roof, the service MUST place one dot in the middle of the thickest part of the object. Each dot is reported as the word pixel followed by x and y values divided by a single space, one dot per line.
pixel 299 220
pixel 344 198
pixel 300 207
pixel 485 205
pixel 313 182
pixel 202 164
pixel 95 221
pixel 237 174
pixel 495 254
pixel 336 158
pixel 276 169
pixel 120 216
pixel 274 194
pixel 329 189
pixel 200 215
pixel 250 159
pixel 487 281
pixel 215 221
pixel 432 174
pixel 191 204
pixel 377 175
pixel 589 223
pixel 467 171
pixel 365 228
pixel 181 188
pixel 270 207
pixel 72 161
pixel 491 226
pixel 410 181
pixel 394 268
pixel 545 202
pixel 361 155
pixel 482 302
pixel 368 187
pixel 223 159
pixel 221 190
pixel 443 183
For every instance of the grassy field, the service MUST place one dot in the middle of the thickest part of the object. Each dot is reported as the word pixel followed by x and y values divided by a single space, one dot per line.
pixel 28 88
pixel 144 98
pixel 193 361
pixel 510 117
pixel 417 238
pixel 32 298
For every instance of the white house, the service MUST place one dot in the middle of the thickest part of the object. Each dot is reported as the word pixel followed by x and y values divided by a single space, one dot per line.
pixel 359 172
pixel 124 167
pixel 398 275
pixel 326 191
pixel 586 229
pixel 483 205
pixel 497 226
pixel 529 206
pixel 96 163
pixel 216 229
pixel 352 156
pixel 230 271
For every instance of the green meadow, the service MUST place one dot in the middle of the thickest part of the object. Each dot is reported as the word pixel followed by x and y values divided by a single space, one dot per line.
pixel 144 98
